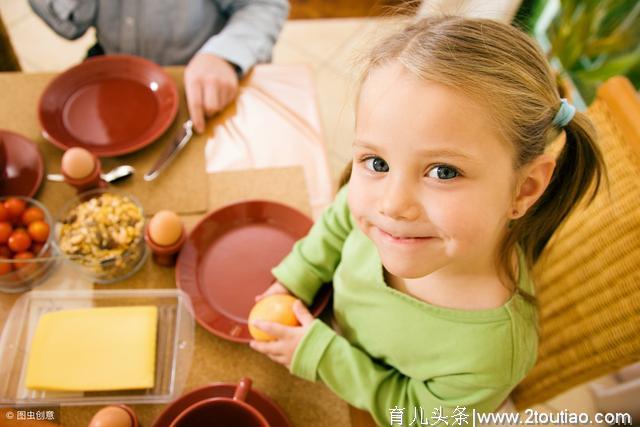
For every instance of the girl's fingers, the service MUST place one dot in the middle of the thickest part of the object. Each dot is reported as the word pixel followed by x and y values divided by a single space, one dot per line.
pixel 274 289
pixel 267 347
pixel 262 295
pixel 270 349
pixel 274 329
pixel 302 313
pixel 279 359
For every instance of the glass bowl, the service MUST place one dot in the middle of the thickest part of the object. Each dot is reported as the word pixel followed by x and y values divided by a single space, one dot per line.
pixel 101 233
pixel 33 271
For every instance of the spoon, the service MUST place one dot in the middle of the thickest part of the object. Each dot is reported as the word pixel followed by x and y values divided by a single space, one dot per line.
pixel 114 174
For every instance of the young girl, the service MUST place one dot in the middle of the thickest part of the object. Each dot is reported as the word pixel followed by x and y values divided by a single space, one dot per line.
pixel 451 200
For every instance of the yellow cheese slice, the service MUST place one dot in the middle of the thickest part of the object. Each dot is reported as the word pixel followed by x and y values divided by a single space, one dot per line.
pixel 94 349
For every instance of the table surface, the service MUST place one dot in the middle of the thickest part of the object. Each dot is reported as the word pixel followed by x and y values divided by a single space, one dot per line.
pixel 214 359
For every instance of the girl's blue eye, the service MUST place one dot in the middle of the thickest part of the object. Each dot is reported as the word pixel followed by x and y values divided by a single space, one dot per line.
pixel 443 172
pixel 376 164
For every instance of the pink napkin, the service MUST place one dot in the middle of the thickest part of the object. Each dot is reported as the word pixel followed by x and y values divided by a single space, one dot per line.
pixel 274 123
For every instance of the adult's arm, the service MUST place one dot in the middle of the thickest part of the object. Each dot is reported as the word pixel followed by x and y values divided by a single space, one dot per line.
pixel 69 18
pixel 250 33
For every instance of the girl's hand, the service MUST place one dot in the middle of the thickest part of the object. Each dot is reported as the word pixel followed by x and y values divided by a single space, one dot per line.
pixel 287 337
pixel 276 288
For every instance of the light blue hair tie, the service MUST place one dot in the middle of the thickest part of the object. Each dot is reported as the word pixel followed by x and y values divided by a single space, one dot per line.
pixel 564 114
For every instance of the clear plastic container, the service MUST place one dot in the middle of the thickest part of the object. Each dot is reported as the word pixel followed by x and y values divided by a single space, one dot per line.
pixel 174 349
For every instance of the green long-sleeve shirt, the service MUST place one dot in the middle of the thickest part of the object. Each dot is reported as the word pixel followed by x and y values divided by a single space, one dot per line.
pixel 397 355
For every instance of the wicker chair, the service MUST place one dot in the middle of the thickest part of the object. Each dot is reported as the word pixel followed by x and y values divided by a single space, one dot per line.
pixel 588 280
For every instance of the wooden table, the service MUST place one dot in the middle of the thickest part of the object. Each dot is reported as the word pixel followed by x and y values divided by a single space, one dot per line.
pixel 214 359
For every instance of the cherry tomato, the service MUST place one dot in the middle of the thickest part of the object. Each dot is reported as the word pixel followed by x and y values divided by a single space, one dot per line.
pixel 19 241
pixel 5 267
pixel 5 252
pixel 32 214
pixel 5 231
pixel 36 247
pixel 39 231
pixel 4 213
pixel 15 207
pixel 23 255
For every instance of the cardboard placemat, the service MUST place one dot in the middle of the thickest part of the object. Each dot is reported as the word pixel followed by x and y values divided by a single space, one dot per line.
pixel 182 186
pixel 219 360
pixel 285 185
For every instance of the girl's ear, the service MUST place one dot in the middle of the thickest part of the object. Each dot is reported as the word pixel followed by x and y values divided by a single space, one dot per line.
pixel 533 181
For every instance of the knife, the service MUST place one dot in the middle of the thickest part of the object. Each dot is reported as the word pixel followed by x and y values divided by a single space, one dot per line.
pixel 171 150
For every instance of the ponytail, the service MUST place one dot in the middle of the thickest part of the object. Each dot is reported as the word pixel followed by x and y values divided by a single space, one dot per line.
pixel 579 167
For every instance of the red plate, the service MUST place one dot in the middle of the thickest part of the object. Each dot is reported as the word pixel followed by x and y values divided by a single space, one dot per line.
pixel 267 407
pixel 227 261
pixel 23 168
pixel 110 105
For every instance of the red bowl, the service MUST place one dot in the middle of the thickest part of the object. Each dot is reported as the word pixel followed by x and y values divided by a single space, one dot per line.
pixel 23 169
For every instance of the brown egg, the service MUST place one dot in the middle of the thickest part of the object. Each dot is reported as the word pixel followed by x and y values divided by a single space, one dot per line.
pixel 111 416
pixel 78 163
pixel 165 228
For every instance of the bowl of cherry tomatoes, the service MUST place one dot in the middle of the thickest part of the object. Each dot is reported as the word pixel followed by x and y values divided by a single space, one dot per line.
pixel 26 243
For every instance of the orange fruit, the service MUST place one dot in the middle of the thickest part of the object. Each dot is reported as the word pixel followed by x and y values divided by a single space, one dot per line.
pixel 273 308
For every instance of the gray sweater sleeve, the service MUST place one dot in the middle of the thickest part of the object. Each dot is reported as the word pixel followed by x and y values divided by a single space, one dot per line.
pixel 250 33
pixel 68 18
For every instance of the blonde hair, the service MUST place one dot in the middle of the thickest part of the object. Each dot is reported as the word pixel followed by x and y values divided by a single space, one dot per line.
pixel 503 68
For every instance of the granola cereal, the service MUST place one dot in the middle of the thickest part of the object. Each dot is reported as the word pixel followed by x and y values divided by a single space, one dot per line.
pixel 104 234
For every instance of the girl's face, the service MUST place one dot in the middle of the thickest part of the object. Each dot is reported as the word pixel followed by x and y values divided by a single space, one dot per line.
pixel 432 183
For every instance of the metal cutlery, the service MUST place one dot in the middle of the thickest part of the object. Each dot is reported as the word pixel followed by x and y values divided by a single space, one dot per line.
pixel 115 174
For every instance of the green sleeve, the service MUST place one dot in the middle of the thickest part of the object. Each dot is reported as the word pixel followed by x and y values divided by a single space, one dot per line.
pixel 379 388
pixel 314 258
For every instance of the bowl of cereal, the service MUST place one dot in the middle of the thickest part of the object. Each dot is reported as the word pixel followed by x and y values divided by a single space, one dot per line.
pixel 101 232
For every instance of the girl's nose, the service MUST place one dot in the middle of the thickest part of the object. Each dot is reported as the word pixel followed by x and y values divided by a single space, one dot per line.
pixel 399 202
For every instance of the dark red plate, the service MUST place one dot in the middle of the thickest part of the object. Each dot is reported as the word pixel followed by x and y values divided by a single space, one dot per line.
pixel 267 407
pixel 227 260
pixel 110 105
pixel 23 166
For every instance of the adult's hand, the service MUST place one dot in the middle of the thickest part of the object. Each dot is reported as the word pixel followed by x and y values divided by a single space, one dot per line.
pixel 210 83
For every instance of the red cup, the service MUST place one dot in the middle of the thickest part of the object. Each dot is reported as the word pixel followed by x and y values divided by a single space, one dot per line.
pixel 223 411
pixel 132 414
pixel 165 255
pixel 106 417
pixel 89 182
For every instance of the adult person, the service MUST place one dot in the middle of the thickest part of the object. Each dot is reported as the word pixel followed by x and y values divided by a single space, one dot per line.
pixel 218 40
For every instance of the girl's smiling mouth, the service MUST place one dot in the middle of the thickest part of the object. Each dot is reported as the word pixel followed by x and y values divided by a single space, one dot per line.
pixel 402 239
